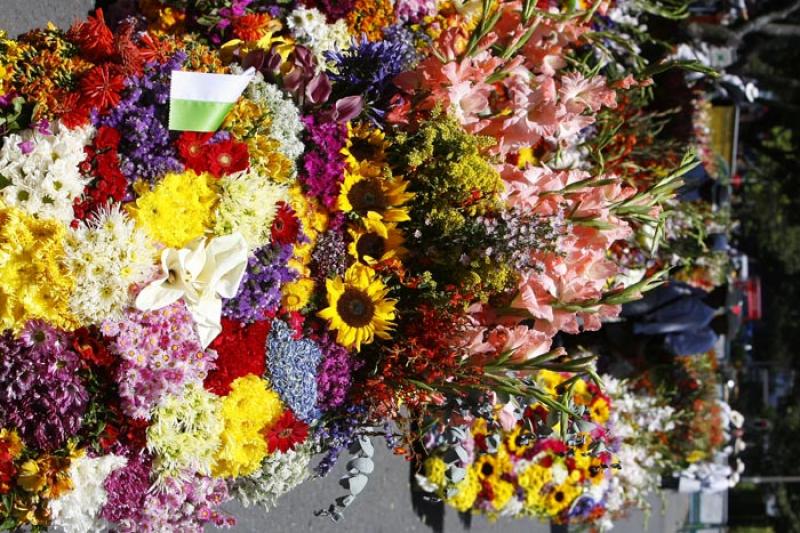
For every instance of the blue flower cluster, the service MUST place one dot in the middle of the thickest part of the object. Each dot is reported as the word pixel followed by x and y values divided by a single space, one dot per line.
pixel 292 366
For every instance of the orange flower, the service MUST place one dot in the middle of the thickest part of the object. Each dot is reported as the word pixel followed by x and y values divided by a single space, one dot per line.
pixel 370 17
pixel 251 27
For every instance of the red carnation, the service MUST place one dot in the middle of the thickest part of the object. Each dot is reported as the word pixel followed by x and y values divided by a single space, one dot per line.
pixel 285 226
pixel 227 157
pixel 107 138
pixel 241 350
pixel 286 433
pixel 93 37
pixel 100 87
pixel 192 149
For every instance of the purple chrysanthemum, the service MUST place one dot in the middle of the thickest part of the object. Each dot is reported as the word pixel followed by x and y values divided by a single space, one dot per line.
pixel 41 392
pixel 260 290
pixel 126 489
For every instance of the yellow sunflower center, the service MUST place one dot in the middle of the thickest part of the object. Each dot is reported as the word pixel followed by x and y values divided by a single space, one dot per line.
pixel 367 195
pixel 356 308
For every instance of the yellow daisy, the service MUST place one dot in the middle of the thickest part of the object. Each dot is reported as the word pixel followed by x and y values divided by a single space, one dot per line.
pixel 358 308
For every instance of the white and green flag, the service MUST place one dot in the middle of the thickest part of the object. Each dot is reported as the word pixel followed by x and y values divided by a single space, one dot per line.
pixel 200 101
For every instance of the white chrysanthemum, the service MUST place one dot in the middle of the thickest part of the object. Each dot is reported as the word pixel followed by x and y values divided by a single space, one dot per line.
pixel 77 511
pixel 185 432
pixel 279 473
pixel 286 125
pixel 310 29
pixel 106 255
pixel 40 172
pixel 247 204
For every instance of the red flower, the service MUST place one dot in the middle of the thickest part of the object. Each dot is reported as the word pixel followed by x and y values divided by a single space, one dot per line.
pixel 89 345
pixel 100 87
pixel 70 109
pixel 227 157
pixel 93 37
pixel 192 149
pixel 285 226
pixel 7 470
pixel 107 138
pixel 286 433
pixel 241 350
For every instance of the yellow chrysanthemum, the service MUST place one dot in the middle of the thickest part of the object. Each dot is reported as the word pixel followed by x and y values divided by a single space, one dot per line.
pixel 502 492
pixel 250 408
pixel 435 470
pixel 313 220
pixel 358 308
pixel 178 209
pixel 370 245
pixel 296 294
pixel 34 283
pixel 467 491
pixel 375 197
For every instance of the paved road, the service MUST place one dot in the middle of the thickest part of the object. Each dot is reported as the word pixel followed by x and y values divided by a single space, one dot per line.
pixel 385 507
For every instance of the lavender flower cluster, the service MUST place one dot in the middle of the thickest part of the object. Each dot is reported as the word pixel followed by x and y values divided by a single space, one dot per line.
pixel 260 290
pixel 146 150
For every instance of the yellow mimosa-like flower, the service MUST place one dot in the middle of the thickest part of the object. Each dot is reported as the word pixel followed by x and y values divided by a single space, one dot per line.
pixel 358 308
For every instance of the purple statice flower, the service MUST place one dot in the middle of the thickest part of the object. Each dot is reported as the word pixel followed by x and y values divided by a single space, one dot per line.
pixel 160 353
pixel 292 367
pixel 126 488
pixel 323 165
pixel 146 149
pixel 329 257
pixel 41 392
pixel 183 504
pixel 334 376
pixel 260 291
pixel 368 68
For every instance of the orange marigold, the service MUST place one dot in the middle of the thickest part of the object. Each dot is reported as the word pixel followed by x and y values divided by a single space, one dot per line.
pixel 370 17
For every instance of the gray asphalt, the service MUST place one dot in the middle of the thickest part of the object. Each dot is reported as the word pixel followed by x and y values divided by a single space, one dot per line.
pixel 385 505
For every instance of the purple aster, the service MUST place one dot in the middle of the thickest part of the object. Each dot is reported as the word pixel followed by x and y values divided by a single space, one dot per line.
pixel 260 291
pixel 146 149
pixel 41 392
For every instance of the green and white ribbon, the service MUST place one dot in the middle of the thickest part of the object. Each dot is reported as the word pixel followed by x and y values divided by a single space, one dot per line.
pixel 200 101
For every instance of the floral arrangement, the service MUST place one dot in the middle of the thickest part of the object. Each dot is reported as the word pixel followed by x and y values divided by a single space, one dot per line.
pixel 381 226
pixel 511 461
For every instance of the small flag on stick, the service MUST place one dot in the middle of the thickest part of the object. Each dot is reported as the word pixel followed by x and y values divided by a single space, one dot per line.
pixel 200 101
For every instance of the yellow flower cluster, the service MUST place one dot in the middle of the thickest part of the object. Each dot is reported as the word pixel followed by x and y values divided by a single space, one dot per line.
pixel 313 221
pixel 177 210
pixel 249 409
pixel 34 283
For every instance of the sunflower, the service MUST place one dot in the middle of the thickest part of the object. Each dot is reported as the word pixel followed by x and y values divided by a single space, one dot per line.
pixel 600 411
pixel 370 245
pixel 560 498
pixel 375 197
pixel 358 308
pixel 364 145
